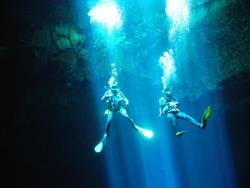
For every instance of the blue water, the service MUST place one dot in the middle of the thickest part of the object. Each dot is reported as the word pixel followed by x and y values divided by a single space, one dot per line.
pixel 200 158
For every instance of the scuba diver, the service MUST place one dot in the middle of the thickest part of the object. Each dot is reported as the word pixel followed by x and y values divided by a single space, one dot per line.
pixel 116 102
pixel 169 106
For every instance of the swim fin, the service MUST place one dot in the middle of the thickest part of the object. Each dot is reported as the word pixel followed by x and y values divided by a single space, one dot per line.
pixel 179 133
pixel 144 132
pixel 101 144
pixel 206 116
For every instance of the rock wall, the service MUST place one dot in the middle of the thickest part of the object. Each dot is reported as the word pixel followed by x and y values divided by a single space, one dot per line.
pixel 214 48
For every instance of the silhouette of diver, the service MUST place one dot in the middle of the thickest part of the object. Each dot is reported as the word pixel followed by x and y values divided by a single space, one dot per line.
pixel 169 106
pixel 116 102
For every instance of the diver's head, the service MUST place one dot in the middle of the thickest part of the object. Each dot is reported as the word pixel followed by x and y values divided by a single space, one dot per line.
pixel 114 88
pixel 167 92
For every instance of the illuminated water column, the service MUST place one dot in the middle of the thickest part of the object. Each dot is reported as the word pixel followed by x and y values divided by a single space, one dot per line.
pixel 107 13
pixel 131 159
pixel 106 19
pixel 178 12
pixel 201 154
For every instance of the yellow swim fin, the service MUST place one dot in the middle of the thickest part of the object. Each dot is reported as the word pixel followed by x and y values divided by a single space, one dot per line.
pixel 206 116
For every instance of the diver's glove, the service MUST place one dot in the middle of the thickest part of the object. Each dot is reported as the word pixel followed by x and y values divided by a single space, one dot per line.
pixel 126 101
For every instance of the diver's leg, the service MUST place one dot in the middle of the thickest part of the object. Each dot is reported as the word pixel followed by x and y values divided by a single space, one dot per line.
pixel 171 117
pixel 144 132
pixel 108 123
pixel 184 116
pixel 101 144
pixel 124 113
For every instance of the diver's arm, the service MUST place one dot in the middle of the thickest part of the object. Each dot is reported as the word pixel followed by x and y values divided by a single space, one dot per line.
pixel 123 97
pixel 106 94
pixel 174 99
pixel 161 104
pixel 121 94
pixel 103 98
pixel 161 111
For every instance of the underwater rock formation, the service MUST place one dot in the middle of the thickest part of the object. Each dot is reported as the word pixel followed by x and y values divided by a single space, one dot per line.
pixel 213 49
pixel 61 44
